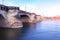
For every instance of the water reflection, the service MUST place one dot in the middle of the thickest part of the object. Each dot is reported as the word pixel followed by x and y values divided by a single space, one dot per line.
pixel 45 30
pixel 9 33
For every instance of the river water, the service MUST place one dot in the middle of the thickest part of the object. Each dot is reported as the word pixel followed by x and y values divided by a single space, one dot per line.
pixel 45 30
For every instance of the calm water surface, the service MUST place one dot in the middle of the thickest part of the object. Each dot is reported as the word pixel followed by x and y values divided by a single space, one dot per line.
pixel 45 30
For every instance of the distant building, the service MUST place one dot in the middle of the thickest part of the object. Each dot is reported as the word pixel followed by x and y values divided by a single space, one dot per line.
pixel 3 11
pixel 3 15
pixel 13 21
pixel 13 9
pixel 3 7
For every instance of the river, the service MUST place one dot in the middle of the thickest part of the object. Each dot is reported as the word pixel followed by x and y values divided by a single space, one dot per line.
pixel 45 30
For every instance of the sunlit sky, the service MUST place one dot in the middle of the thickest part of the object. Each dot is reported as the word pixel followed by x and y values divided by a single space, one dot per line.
pixel 41 7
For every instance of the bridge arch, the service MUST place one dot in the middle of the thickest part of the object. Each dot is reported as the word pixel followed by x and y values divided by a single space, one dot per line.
pixel 21 15
pixel 24 16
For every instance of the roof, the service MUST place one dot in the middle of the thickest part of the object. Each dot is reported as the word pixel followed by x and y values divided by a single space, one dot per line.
pixel 6 8
pixel 13 8
pixel 3 7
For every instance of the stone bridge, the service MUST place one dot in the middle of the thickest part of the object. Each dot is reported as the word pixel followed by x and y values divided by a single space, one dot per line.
pixel 7 17
pixel 26 16
pixel 13 16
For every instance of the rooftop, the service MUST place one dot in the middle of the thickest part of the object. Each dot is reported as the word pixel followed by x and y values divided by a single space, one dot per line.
pixel 3 7
pixel 13 7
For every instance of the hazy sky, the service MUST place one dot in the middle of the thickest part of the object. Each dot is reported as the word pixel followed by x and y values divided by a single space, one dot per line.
pixel 42 7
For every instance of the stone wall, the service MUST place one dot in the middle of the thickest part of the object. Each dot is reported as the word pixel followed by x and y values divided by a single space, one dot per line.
pixel 38 18
pixel 13 21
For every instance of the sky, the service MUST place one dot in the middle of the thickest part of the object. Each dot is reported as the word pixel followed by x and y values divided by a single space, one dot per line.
pixel 41 7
